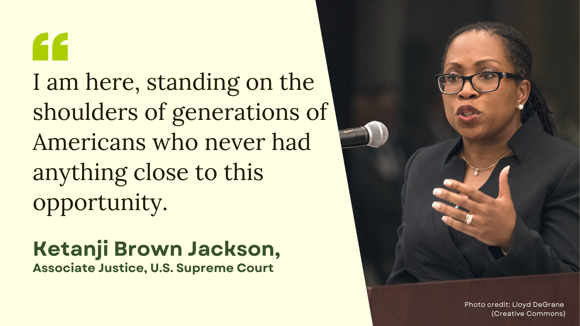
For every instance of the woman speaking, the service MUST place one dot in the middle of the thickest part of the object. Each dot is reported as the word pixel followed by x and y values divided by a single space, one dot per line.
pixel 502 199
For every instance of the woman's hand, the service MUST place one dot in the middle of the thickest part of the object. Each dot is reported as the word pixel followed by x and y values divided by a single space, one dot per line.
pixel 493 219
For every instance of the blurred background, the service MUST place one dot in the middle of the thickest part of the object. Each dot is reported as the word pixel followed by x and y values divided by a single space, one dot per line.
pixel 382 56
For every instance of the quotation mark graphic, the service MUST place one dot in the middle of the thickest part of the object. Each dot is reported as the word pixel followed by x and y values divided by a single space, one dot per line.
pixel 59 51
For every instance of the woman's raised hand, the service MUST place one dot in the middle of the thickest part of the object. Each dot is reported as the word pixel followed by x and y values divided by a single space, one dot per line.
pixel 492 220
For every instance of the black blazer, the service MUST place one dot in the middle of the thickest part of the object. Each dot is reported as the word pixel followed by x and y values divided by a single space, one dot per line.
pixel 543 181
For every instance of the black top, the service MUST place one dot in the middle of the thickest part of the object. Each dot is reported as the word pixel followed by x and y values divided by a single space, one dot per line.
pixel 543 180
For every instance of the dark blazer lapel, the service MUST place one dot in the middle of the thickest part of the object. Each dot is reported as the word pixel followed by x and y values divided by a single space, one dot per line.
pixel 453 169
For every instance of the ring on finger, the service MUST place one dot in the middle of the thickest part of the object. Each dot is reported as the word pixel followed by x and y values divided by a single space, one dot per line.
pixel 468 218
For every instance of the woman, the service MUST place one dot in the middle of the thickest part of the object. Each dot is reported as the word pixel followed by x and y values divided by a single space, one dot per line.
pixel 461 216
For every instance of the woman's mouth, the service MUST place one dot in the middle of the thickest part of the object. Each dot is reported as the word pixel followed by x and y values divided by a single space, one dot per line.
pixel 467 114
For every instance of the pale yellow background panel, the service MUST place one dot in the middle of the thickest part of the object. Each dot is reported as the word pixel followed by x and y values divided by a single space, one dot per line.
pixel 301 207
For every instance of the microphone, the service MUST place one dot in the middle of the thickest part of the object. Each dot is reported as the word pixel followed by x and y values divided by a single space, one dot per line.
pixel 373 134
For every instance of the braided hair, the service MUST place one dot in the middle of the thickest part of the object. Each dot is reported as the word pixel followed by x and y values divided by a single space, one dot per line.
pixel 521 57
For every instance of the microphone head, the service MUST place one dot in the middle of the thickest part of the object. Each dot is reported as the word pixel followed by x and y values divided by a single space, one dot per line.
pixel 378 134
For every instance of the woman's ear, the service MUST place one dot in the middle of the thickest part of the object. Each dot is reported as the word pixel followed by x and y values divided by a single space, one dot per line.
pixel 523 90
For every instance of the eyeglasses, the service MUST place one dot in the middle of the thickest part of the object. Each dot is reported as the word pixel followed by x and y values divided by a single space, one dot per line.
pixel 484 82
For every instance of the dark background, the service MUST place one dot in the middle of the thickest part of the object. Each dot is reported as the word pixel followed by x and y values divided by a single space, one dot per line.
pixel 382 56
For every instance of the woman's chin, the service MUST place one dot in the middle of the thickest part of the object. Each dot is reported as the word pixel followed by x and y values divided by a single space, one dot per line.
pixel 472 134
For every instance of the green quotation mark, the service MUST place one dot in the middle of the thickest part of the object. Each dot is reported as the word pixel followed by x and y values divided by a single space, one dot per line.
pixel 59 51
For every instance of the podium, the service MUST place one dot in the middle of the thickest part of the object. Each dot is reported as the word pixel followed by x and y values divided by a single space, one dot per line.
pixel 526 300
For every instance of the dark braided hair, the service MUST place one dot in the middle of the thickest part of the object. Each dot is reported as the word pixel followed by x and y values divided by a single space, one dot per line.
pixel 521 57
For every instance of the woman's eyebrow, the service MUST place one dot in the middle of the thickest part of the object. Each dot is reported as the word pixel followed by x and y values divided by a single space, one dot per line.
pixel 479 62
pixel 452 63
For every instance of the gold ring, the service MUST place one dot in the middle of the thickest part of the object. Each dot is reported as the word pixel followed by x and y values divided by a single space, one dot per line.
pixel 468 218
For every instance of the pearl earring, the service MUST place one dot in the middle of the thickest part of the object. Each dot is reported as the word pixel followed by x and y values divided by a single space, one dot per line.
pixel 521 106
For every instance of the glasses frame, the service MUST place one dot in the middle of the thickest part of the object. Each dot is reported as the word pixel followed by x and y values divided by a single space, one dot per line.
pixel 500 75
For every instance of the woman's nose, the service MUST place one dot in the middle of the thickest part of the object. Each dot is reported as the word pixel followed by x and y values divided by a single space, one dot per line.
pixel 468 91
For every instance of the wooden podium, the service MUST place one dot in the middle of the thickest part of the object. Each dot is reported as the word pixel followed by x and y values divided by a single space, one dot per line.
pixel 478 302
